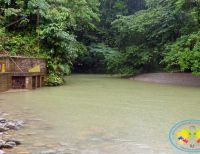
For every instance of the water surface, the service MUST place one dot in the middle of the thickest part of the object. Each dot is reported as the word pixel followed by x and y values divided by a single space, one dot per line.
pixel 98 114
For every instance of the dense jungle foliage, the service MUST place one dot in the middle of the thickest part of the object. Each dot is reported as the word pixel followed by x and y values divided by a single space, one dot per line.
pixel 123 37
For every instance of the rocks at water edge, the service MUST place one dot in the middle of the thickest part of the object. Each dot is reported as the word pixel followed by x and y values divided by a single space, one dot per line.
pixel 14 125
pixel 5 127
pixel 2 152
pixel 17 142
pixel 2 143
pixel 49 152
pixel 11 143
pixel 2 120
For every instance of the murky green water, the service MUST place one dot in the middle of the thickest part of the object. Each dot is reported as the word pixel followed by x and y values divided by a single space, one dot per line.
pixel 96 114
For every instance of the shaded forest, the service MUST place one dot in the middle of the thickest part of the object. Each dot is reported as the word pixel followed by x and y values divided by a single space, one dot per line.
pixel 124 37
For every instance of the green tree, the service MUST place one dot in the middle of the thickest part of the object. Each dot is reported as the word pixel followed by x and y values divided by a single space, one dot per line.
pixel 62 25
pixel 162 23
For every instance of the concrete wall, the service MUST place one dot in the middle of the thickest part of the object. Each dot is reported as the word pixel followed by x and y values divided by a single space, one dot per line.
pixel 34 82
pixel 14 78
pixel 24 63
pixel 5 81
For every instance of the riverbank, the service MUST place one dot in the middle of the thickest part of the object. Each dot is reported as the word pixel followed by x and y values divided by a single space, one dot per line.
pixel 7 127
pixel 185 79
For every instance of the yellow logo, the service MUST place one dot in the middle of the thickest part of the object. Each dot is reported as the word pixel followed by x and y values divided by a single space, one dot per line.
pixel 35 69
pixel 185 136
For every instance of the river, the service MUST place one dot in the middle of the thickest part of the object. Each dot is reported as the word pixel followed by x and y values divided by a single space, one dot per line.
pixel 100 114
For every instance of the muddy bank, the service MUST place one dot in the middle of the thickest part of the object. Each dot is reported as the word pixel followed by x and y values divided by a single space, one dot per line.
pixel 185 79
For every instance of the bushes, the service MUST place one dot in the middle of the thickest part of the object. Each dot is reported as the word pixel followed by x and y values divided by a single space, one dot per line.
pixel 102 59
pixel 19 43
pixel 131 61
pixel 54 80
pixel 62 27
pixel 165 29
pixel 184 54
pixel 56 73
pixel 93 60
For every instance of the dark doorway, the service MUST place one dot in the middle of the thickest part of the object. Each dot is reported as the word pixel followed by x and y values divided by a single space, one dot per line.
pixel 38 82
pixel 42 81
pixel 18 82
pixel 34 82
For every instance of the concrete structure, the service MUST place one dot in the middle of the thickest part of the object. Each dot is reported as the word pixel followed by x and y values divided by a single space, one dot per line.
pixel 5 81
pixel 21 72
